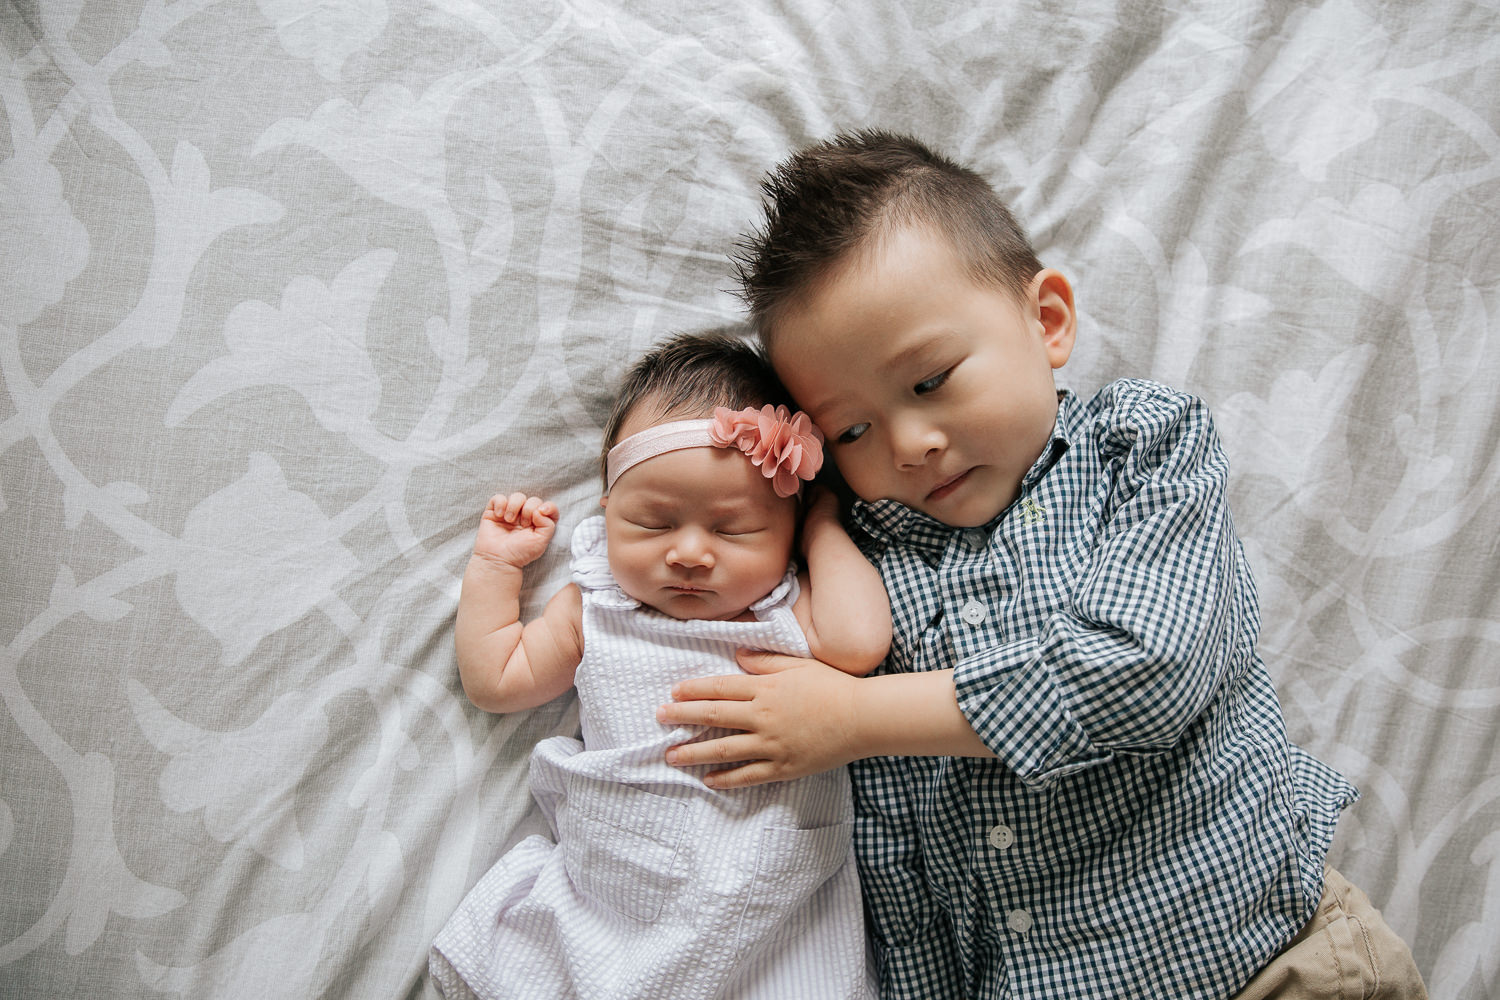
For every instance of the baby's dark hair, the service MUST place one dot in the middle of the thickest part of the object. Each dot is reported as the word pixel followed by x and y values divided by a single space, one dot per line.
pixel 833 197
pixel 690 374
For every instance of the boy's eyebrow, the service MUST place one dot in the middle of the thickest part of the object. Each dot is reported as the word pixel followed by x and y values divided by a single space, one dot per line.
pixel 912 352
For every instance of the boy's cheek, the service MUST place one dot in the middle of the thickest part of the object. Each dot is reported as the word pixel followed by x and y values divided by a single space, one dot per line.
pixel 862 480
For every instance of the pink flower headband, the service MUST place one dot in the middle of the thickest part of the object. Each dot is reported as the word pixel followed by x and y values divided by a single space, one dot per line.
pixel 786 447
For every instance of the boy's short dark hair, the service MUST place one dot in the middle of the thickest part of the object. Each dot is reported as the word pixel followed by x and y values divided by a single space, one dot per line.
pixel 831 198
pixel 688 376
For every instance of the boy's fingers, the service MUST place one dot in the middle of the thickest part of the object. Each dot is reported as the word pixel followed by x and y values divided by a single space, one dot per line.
pixel 724 687
pixel 713 714
pixel 724 750
pixel 754 773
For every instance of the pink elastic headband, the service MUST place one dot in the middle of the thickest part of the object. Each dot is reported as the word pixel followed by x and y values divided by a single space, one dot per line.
pixel 786 447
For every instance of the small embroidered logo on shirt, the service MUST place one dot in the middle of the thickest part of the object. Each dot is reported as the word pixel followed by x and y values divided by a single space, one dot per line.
pixel 1032 511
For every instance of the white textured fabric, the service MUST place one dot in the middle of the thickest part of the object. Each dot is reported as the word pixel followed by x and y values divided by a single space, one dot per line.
pixel 652 885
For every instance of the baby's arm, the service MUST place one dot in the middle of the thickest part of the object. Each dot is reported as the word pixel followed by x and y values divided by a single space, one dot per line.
pixel 843 607
pixel 507 666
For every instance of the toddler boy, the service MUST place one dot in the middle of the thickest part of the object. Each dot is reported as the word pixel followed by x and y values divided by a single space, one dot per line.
pixel 1072 774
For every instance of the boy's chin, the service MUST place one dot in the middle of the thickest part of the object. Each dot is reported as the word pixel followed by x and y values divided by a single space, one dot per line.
pixel 961 515
pixel 974 505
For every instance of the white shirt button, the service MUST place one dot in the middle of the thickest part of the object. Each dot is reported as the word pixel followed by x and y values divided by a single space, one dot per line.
pixel 1001 837
pixel 1018 921
pixel 973 612
pixel 976 538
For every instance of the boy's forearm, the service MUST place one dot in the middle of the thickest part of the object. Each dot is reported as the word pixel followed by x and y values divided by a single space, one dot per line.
pixel 913 715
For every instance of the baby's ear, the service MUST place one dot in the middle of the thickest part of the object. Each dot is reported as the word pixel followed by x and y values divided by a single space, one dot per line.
pixel 604 500
pixel 1051 298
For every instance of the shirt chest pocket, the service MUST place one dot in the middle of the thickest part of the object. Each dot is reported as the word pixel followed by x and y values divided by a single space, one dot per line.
pixel 620 848
pixel 790 866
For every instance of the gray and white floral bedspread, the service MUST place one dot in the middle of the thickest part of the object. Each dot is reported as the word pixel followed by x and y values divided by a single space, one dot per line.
pixel 288 288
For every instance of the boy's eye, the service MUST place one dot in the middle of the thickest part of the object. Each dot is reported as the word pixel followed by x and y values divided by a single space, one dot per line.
pixel 929 384
pixel 852 434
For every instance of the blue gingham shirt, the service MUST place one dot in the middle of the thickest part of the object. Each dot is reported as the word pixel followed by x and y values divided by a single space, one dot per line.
pixel 1145 829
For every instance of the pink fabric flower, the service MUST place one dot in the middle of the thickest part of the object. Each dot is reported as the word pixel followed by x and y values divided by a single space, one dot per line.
pixel 787 448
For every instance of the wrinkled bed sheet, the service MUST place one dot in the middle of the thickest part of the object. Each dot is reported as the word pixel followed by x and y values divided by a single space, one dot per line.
pixel 287 290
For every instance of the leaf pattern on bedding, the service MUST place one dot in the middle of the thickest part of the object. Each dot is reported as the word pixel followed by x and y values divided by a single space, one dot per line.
pixel 255 557
pixel 243 781
pixel 328 32
pixel 314 343
pixel 34 213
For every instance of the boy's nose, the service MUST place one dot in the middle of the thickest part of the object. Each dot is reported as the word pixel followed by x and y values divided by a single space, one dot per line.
pixel 914 442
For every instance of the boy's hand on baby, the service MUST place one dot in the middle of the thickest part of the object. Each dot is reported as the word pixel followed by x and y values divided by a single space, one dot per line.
pixel 794 718
pixel 516 529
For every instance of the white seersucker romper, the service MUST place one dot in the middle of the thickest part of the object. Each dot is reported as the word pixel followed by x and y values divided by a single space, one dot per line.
pixel 654 886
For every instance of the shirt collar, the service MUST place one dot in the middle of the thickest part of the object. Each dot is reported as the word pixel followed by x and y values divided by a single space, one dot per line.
pixel 888 522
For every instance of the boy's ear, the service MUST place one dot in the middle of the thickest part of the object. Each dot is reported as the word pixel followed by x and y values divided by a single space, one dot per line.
pixel 604 500
pixel 1051 299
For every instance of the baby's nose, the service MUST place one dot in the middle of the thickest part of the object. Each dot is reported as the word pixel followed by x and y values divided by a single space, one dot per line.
pixel 692 548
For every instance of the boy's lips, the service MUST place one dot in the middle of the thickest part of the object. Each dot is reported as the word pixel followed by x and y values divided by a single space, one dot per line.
pixel 947 486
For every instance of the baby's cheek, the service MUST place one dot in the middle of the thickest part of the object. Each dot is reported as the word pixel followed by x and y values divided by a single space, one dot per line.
pixel 767 571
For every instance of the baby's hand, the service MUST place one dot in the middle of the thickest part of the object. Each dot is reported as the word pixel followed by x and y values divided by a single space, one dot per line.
pixel 515 529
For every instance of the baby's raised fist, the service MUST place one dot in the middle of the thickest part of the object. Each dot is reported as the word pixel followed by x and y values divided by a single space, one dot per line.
pixel 515 528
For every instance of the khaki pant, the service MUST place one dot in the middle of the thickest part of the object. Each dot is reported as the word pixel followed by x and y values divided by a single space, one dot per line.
pixel 1346 951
